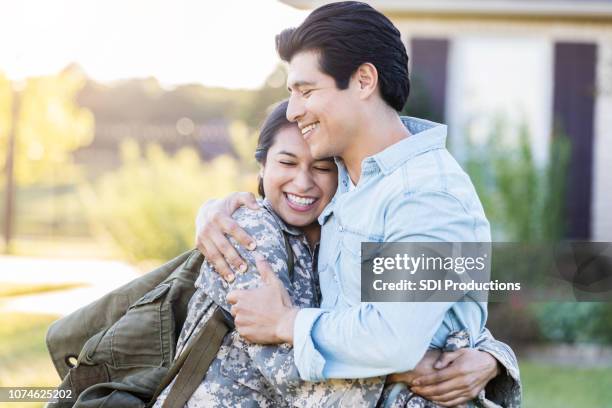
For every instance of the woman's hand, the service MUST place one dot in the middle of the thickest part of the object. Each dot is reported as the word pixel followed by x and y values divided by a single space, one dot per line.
pixel 213 223
pixel 455 378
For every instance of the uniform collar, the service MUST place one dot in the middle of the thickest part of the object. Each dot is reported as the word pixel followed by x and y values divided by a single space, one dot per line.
pixel 290 229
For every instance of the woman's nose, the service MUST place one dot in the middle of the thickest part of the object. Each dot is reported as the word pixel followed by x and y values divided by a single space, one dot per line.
pixel 303 180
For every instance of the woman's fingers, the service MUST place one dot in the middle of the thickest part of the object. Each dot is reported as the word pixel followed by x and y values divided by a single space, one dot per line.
pixel 446 359
pixel 439 390
pixel 436 377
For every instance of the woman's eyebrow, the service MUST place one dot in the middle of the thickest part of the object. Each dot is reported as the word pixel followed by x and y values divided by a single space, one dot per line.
pixel 287 153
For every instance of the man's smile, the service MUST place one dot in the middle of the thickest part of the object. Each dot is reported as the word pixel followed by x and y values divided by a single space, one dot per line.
pixel 306 129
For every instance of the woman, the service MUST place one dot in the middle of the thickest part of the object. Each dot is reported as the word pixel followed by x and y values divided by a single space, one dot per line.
pixel 296 189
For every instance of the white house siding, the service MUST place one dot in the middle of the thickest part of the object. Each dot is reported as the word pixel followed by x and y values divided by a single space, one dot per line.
pixel 551 32
pixel 601 223
pixel 503 77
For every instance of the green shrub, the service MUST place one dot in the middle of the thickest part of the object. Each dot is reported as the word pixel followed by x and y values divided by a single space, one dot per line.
pixel 148 206
pixel 524 201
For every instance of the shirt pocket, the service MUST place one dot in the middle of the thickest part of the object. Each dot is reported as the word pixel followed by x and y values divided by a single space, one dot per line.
pixel 349 267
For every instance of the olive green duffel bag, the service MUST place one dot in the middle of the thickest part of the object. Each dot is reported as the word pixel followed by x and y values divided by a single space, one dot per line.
pixel 119 350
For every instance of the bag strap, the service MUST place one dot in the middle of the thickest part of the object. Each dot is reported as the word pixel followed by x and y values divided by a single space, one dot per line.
pixel 192 365
pixel 192 368
pixel 290 255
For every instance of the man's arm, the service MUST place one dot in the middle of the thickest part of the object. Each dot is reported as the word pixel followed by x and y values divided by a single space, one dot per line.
pixel 371 339
pixel 488 372
pixel 213 221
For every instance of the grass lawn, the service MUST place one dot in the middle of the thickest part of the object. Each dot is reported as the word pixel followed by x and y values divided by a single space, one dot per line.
pixel 23 356
pixel 552 386
pixel 24 362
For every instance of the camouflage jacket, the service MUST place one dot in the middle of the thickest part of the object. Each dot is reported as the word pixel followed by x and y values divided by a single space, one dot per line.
pixel 252 375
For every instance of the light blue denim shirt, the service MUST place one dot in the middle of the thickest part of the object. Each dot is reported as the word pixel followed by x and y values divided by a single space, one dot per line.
pixel 413 191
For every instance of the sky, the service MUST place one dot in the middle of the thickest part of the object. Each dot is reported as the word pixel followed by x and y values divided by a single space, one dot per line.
pixel 228 43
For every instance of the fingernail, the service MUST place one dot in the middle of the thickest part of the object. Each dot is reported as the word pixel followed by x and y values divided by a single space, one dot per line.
pixel 242 268
pixel 252 246
pixel 416 383
pixel 230 277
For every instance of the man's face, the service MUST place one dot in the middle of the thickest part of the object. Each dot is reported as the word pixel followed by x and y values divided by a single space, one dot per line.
pixel 324 113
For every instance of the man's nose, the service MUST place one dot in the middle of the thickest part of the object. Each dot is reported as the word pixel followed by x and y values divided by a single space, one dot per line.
pixel 295 108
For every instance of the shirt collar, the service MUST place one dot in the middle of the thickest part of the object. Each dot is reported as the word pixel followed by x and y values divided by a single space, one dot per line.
pixel 425 136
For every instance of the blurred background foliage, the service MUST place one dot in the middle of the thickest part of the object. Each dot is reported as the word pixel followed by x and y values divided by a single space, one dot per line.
pixel 131 180
pixel 147 206
pixel 118 170
pixel 49 127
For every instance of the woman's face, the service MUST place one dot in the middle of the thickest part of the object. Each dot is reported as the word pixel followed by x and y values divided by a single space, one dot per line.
pixel 297 186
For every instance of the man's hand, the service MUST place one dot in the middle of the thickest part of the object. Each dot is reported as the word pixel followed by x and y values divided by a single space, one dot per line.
pixel 461 375
pixel 264 315
pixel 213 222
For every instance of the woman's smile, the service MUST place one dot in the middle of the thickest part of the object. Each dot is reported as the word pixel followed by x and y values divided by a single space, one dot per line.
pixel 300 203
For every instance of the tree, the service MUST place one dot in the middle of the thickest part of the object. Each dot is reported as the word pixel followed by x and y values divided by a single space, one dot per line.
pixel 39 132
pixel 273 91
pixel 50 126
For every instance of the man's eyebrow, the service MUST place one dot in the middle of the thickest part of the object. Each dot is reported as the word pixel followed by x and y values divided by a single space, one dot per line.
pixel 298 84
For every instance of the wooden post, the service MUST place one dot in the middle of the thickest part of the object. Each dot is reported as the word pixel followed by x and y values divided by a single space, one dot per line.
pixel 9 205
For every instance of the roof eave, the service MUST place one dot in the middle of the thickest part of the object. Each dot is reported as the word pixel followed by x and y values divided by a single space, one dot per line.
pixel 497 8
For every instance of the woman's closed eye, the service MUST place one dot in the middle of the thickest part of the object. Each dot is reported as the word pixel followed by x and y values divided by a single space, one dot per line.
pixel 287 163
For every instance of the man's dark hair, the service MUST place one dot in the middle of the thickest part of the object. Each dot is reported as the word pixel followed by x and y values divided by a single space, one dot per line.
pixel 346 35
pixel 276 120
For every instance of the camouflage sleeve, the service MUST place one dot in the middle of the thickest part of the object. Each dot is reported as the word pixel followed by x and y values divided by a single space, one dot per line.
pixel 504 390
pixel 262 227
pixel 275 363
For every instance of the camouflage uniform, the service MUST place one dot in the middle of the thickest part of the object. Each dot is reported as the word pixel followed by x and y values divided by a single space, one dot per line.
pixel 253 375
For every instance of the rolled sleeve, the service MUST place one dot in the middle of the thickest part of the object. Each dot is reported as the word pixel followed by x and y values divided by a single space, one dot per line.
pixel 309 361
pixel 506 388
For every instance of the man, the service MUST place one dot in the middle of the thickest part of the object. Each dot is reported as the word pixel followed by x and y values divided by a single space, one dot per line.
pixel 348 80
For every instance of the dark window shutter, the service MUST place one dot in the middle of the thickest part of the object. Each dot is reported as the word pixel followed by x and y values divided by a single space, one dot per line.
pixel 573 113
pixel 428 78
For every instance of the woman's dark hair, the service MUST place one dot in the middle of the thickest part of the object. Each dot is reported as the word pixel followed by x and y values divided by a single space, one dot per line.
pixel 347 35
pixel 276 120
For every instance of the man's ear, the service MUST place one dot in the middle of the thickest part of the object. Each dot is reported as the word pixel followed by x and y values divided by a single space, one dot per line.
pixel 366 78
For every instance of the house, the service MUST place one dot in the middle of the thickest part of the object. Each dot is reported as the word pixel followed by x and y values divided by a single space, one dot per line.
pixel 544 63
